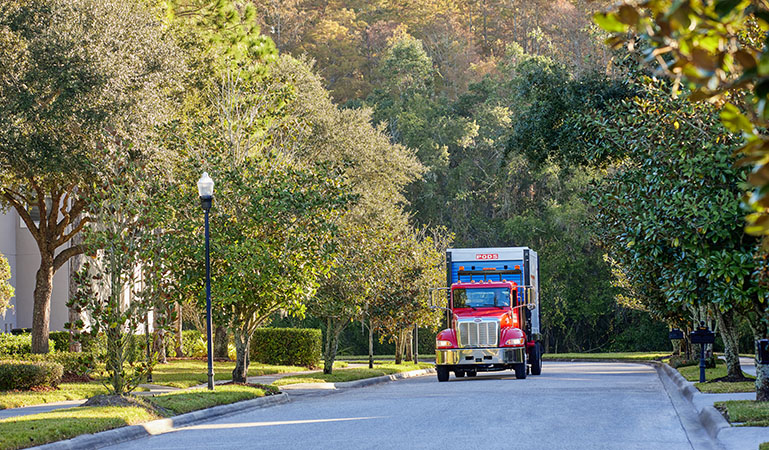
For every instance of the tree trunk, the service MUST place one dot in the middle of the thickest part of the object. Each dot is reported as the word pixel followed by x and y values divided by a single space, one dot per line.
pixel 370 345
pixel 727 326
pixel 159 342
pixel 179 347
pixel 221 349
pixel 409 345
pixel 333 330
pixel 41 311
pixel 399 341
pixel 242 356
pixel 73 312
pixel 762 382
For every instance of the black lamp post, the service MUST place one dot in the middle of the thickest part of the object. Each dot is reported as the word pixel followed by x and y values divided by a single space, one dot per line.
pixel 206 191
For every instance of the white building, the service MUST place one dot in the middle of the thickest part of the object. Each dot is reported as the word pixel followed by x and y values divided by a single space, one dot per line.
pixel 18 246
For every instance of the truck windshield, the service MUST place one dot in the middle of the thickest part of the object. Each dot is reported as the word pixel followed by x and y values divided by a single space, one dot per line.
pixel 478 297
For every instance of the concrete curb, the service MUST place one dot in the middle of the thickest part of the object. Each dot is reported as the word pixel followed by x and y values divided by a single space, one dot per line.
pixel 118 435
pixel 358 383
pixel 711 418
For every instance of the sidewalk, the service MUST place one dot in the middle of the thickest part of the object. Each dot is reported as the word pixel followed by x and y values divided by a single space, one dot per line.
pixel 718 428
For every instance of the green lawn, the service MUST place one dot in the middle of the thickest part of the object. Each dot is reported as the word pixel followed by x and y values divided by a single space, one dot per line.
pixel 37 429
pixel 748 413
pixel 195 399
pixel 630 356
pixel 66 391
pixel 180 373
pixel 183 373
pixel 352 374
pixel 764 446
pixel 692 373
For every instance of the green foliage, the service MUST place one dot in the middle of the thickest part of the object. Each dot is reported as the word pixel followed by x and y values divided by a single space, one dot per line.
pixel 193 343
pixel 6 290
pixel 19 345
pixel 81 83
pixel 717 48
pixel 287 346
pixel 60 339
pixel 73 363
pixel 25 375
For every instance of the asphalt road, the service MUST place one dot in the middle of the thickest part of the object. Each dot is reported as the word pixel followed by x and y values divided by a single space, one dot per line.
pixel 569 406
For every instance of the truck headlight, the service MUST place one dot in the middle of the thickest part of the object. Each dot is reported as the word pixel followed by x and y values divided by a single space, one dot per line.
pixel 514 341
pixel 439 343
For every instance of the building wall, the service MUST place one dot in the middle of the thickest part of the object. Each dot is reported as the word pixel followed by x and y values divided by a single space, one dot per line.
pixel 8 249
pixel 19 247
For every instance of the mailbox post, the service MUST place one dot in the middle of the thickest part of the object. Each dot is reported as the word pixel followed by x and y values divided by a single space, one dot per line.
pixel 676 336
pixel 702 336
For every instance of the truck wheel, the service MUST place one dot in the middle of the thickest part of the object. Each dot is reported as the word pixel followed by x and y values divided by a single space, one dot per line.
pixel 520 371
pixel 472 373
pixel 459 373
pixel 536 359
pixel 443 373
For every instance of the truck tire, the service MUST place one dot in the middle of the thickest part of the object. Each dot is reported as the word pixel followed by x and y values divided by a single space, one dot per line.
pixel 520 371
pixel 459 373
pixel 536 359
pixel 472 373
pixel 443 373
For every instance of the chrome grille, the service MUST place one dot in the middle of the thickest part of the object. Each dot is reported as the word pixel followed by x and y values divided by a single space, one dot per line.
pixel 478 334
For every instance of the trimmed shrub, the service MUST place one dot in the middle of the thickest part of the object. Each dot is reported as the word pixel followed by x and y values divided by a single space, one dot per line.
pixel 73 363
pixel 25 375
pixel 19 344
pixel 287 346
pixel 60 339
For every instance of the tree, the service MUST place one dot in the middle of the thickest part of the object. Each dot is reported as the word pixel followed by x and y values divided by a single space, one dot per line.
pixel 82 78
pixel 6 290
pixel 669 212
pixel 376 171
pixel 108 294
pixel 715 47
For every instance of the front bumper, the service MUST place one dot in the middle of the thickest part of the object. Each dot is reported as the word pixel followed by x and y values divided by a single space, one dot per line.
pixel 479 356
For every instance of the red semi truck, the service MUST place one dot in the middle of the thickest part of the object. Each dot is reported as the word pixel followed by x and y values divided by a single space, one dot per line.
pixel 492 312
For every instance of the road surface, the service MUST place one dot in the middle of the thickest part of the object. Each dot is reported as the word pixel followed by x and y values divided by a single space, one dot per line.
pixel 570 406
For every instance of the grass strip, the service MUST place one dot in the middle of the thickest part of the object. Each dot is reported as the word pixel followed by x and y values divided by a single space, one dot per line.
pixel 38 429
pixel 65 391
pixel 692 373
pixel 342 375
pixel 629 356
pixel 184 373
pixel 195 399
pixel 746 413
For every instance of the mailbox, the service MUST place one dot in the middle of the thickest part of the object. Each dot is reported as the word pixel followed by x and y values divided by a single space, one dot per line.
pixel 702 336
pixel 675 334
pixel 762 351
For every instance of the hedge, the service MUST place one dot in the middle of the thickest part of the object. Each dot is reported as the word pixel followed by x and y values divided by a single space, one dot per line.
pixel 287 346
pixel 19 345
pixel 73 363
pixel 193 344
pixel 25 375
pixel 60 339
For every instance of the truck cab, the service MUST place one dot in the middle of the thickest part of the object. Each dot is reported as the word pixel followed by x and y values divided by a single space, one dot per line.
pixel 493 318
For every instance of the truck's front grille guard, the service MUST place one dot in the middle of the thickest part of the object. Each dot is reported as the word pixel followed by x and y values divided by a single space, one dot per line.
pixel 478 334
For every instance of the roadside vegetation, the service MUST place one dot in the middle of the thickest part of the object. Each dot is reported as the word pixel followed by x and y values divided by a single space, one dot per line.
pixel 629 356
pixel 37 429
pixel 343 375
pixel 692 373
pixel 745 413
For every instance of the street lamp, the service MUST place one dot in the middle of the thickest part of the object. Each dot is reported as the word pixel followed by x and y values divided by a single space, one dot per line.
pixel 206 191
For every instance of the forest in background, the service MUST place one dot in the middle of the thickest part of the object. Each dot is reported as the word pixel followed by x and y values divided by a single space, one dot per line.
pixel 483 91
